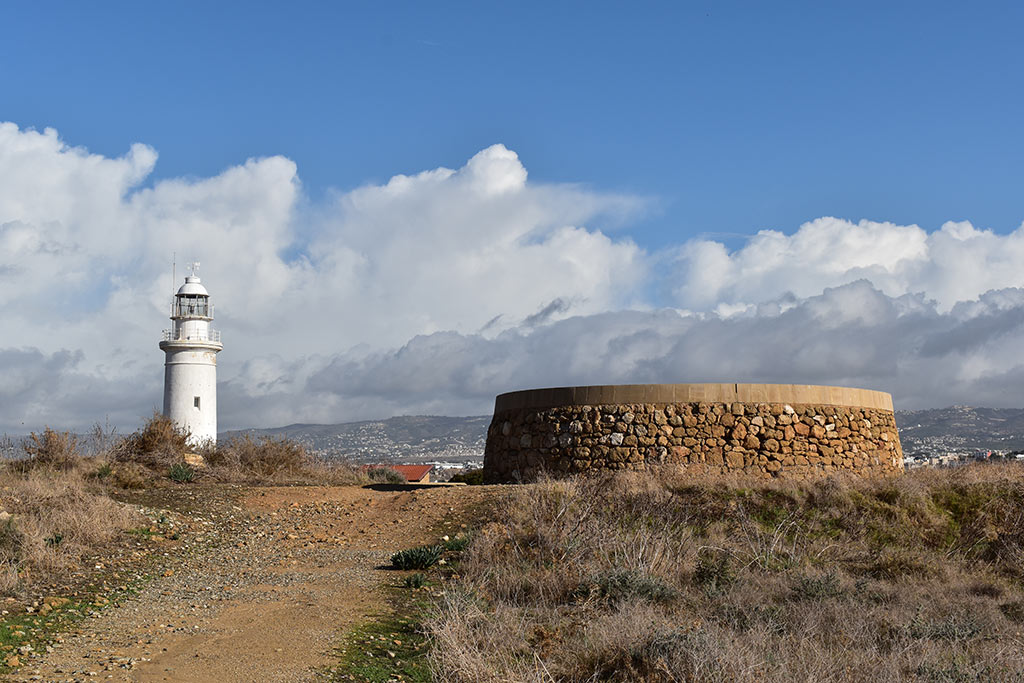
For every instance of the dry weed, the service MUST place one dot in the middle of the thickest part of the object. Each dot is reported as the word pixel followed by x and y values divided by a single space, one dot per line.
pixel 157 445
pixel 52 519
pixel 270 459
pixel 663 579
pixel 57 450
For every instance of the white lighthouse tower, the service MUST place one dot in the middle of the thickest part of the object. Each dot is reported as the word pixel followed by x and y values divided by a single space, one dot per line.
pixel 190 368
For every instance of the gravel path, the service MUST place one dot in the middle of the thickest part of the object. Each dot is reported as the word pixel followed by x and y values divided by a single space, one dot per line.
pixel 261 587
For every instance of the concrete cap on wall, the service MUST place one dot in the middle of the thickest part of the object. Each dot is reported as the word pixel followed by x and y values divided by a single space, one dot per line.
pixel 808 394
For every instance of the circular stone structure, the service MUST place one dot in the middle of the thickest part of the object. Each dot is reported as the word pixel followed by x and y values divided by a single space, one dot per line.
pixel 770 430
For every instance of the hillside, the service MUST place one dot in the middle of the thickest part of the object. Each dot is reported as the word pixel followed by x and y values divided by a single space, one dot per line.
pixel 961 428
pixel 406 438
pixel 418 438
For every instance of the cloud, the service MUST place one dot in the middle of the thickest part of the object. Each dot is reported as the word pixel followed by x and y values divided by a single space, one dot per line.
pixel 852 335
pixel 434 291
pixel 955 263
pixel 86 251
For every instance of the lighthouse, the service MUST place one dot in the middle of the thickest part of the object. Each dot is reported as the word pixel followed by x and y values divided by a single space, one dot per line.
pixel 190 366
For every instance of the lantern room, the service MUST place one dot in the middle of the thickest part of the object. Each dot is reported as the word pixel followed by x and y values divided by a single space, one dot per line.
pixel 192 301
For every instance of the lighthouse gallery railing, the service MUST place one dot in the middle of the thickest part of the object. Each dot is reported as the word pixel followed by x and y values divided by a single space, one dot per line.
pixel 171 335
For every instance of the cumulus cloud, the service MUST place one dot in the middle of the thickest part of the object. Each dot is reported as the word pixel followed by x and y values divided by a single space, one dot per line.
pixel 435 290
pixel 955 263
pixel 86 251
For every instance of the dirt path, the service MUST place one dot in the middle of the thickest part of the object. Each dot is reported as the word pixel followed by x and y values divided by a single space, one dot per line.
pixel 282 574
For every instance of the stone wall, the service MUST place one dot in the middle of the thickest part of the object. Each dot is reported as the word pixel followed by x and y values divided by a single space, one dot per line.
pixel 561 431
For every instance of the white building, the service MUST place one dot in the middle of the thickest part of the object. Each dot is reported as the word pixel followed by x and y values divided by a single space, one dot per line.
pixel 190 367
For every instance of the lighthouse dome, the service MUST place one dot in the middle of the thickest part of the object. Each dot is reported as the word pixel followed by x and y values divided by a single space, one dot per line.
pixel 193 287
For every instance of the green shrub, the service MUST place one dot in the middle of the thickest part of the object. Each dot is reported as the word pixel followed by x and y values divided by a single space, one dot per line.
pixel 618 586
pixel 713 572
pixel 415 581
pixel 385 475
pixel 473 477
pixel 456 543
pixel 103 472
pixel 182 472
pixel 954 627
pixel 423 557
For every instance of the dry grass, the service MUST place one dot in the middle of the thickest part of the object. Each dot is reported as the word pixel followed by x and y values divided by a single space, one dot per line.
pixel 151 452
pixel 263 457
pixel 270 460
pixel 644 578
pixel 53 511
pixel 54 507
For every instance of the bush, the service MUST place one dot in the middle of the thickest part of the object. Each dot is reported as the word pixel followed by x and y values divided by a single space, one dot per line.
pixel 817 587
pixel 415 581
pixel 385 475
pixel 423 557
pixel 263 457
pixel 130 475
pixel 622 585
pixel 158 445
pixel 457 543
pixel 955 627
pixel 182 472
pixel 57 450
pixel 473 477
pixel 714 573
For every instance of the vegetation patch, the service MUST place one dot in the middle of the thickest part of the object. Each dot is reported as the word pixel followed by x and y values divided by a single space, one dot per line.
pixel 390 647
pixel 423 557
pixel 456 543
pixel 182 473
pixel 474 477
pixel 385 475
pixel 649 577
pixel 415 581
pixel 624 585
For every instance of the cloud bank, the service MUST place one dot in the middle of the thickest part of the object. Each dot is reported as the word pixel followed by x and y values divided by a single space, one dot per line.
pixel 436 290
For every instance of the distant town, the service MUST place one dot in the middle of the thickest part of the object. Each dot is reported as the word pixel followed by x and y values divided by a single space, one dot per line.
pixel 450 444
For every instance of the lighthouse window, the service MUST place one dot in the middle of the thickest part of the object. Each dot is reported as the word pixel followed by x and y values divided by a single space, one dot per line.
pixel 195 401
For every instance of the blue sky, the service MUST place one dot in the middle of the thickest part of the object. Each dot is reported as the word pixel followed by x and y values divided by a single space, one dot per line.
pixel 407 208
pixel 732 116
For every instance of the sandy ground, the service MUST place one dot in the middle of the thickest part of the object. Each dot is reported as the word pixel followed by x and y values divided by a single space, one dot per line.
pixel 281 574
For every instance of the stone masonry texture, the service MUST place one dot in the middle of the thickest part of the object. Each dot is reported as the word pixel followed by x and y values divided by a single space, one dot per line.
pixel 769 439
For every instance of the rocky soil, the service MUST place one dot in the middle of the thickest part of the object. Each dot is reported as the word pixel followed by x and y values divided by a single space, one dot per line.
pixel 251 584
